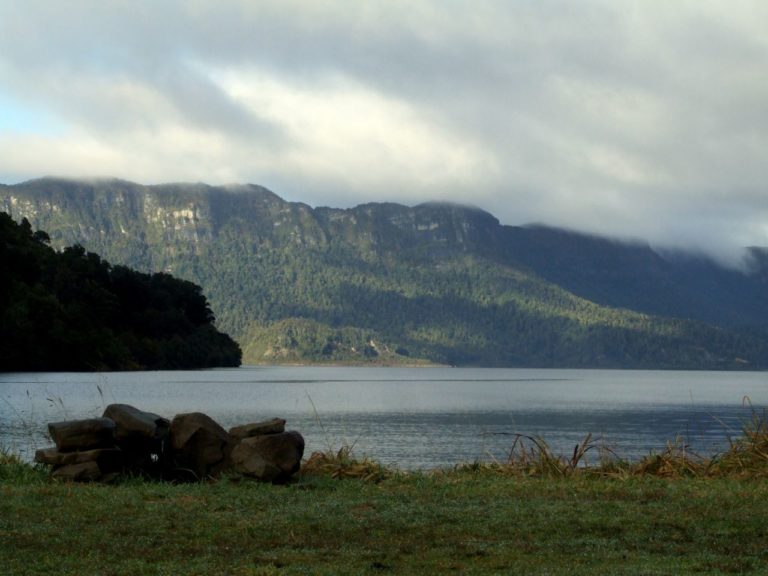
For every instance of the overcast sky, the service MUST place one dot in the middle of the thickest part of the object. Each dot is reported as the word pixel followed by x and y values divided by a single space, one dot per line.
pixel 644 119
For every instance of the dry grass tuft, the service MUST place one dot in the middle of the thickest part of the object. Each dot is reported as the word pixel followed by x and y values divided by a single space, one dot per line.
pixel 343 464
pixel 531 456
pixel 746 457
pixel 748 454
pixel 676 461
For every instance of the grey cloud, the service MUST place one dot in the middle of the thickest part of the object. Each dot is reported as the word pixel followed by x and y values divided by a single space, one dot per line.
pixel 106 44
pixel 619 117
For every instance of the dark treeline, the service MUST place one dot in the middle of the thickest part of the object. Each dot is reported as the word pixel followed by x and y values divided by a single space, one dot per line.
pixel 73 311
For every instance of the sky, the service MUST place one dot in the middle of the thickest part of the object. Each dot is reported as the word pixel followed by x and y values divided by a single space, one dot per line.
pixel 634 119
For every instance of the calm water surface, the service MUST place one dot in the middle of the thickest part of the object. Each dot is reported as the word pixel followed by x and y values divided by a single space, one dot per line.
pixel 411 417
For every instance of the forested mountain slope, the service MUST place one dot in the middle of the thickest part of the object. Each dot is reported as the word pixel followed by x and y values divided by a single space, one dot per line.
pixel 396 284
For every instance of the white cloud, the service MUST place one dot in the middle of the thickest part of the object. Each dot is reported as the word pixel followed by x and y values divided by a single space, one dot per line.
pixel 344 134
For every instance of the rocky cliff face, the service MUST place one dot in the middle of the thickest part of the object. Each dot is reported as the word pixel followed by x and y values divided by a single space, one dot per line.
pixel 150 225
pixel 88 210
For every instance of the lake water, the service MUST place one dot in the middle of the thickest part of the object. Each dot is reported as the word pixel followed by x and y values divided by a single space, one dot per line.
pixel 411 417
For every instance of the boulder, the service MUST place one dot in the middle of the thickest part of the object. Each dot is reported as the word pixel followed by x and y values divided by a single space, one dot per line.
pixel 141 436
pixel 249 462
pixel 273 426
pixel 198 444
pixel 132 424
pixel 51 456
pixel 82 472
pixel 83 434
pixel 107 459
pixel 270 457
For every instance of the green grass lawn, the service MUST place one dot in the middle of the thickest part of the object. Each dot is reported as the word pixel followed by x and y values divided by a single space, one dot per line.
pixel 465 522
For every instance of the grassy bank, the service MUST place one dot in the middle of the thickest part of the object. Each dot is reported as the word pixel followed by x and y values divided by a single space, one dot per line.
pixel 473 520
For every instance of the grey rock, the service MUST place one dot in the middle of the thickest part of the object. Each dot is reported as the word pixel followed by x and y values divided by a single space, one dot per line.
pixel 141 436
pixel 273 426
pixel 282 451
pixel 199 444
pixel 248 461
pixel 82 472
pixel 107 459
pixel 83 434
pixel 132 423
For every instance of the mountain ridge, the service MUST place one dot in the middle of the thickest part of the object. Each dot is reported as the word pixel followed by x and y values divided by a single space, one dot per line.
pixel 444 282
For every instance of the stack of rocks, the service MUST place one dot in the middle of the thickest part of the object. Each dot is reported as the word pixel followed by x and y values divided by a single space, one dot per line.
pixel 85 450
pixel 189 447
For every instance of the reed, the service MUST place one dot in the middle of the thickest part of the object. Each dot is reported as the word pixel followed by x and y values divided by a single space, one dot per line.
pixel 529 456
